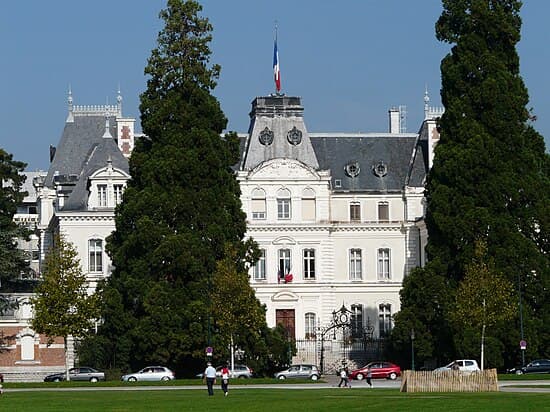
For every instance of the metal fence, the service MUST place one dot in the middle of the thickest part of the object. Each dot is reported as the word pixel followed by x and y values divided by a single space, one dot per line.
pixel 332 354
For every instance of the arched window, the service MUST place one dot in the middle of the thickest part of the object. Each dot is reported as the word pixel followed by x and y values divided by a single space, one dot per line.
pixel 308 205
pixel 258 206
pixel 95 255
pixel 383 211
pixel 355 212
pixel 310 326
pixel 283 204
pixel 27 348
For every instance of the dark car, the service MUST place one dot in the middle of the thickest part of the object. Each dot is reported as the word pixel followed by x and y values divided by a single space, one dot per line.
pixel 536 366
pixel 379 369
pixel 83 373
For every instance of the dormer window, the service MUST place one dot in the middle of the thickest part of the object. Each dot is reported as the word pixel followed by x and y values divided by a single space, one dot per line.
pixel 380 169
pixel 352 169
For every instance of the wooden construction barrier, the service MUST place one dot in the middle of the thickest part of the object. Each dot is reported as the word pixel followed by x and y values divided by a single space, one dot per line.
pixel 449 381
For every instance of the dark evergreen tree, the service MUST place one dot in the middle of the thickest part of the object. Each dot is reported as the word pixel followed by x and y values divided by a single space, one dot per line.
pixel 181 209
pixel 12 260
pixel 490 177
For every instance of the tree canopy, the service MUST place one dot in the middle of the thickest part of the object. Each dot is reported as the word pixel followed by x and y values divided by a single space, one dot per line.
pixel 490 176
pixel 181 209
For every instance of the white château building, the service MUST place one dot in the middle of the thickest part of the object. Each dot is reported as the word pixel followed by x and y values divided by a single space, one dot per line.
pixel 339 217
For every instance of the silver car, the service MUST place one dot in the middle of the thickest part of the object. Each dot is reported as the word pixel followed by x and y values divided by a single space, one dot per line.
pixel 300 371
pixel 150 373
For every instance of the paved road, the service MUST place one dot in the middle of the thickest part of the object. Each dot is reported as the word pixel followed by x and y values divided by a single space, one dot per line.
pixel 331 382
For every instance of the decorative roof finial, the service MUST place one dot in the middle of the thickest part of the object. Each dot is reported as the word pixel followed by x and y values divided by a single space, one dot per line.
pixel 119 101
pixel 70 117
pixel 426 103
pixel 107 134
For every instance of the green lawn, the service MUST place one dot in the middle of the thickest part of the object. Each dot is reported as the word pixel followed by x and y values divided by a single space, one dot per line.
pixel 279 399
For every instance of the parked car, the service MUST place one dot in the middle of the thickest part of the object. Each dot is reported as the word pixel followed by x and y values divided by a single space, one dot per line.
pixel 150 373
pixel 300 371
pixel 536 366
pixel 464 365
pixel 378 369
pixel 83 373
pixel 239 371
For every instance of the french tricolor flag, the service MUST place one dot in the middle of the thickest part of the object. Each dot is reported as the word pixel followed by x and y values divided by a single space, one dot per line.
pixel 276 70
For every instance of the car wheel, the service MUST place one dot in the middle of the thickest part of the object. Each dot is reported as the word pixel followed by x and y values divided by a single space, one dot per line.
pixel 165 378
pixel 359 376
pixel 282 377
pixel 242 377
pixel 93 380
pixel 314 377
pixel 519 372
pixel 392 376
pixel 56 380
pixel 132 379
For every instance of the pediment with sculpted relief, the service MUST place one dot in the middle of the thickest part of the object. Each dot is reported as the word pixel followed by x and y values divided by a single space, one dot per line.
pixel 283 168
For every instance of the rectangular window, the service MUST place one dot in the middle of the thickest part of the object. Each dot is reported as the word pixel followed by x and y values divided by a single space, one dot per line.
pixel 258 209
pixel 355 212
pixel 283 208
pixel 355 264
pixel 384 264
pixel 309 263
pixel 356 321
pixel 102 195
pixel 259 267
pixel 118 189
pixel 384 319
pixel 95 253
pixel 383 212
pixel 284 263
pixel 310 327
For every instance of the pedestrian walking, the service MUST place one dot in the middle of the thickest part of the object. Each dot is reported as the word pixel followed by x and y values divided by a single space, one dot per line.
pixel 225 380
pixel 343 379
pixel 210 378
pixel 369 377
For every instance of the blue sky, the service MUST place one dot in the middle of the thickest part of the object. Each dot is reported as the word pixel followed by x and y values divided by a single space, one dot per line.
pixel 350 61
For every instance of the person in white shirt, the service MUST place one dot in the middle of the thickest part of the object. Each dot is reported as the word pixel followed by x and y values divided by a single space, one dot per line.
pixel 210 378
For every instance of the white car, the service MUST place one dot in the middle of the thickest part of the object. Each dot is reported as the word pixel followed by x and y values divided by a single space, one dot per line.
pixel 150 373
pixel 464 365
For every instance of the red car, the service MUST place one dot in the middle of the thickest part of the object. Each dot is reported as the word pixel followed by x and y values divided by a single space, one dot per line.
pixel 378 369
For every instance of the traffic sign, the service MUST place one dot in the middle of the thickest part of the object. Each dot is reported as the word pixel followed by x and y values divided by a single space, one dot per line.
pixel 523 344
pixel 209 351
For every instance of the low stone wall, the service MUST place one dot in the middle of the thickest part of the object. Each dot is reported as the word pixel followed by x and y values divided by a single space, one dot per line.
pixel 449 381
pixel 29 374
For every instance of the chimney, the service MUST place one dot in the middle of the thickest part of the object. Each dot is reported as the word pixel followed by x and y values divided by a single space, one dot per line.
pixel 394 115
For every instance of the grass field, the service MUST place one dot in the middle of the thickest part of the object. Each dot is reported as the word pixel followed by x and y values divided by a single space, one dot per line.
pixel 279 399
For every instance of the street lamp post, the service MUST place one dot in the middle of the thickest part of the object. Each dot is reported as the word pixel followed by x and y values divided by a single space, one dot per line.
pixel 412 349
pixel 521 320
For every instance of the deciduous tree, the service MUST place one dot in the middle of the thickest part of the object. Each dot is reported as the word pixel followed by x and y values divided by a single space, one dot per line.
pixel 62 305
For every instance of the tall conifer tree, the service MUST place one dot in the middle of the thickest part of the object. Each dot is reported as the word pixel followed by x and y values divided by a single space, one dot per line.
pixel 181 210
pixel 12 259
pixel 490 177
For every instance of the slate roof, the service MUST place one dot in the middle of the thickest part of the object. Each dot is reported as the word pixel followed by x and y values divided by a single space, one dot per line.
pixel 81 151
pixel 397 152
